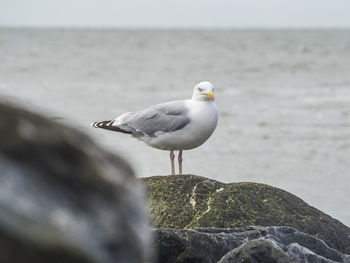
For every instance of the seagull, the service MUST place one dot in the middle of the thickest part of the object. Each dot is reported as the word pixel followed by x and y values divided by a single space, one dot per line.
pixel 171 126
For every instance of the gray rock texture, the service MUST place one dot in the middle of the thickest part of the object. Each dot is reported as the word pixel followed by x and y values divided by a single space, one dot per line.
pixel 246 244
pixel 64 199
pixel 189 201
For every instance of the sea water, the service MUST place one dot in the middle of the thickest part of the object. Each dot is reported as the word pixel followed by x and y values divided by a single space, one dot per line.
pixel 283 97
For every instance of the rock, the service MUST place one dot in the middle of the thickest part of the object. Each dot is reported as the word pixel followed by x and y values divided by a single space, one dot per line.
pixel 246 244
pixel 259 251
pixel 64 199
pixel 198 245
pixel 190 201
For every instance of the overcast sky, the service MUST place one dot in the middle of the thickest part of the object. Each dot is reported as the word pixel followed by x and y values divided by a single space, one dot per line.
pixel 176 13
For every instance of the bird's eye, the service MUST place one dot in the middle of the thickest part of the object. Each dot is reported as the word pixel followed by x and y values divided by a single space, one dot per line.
pixel 200 89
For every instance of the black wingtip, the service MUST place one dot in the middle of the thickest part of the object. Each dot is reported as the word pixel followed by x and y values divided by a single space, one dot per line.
pixel 102 124
pixel 108 125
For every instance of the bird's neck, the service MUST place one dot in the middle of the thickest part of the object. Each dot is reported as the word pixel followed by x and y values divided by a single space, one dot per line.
pixel 201 99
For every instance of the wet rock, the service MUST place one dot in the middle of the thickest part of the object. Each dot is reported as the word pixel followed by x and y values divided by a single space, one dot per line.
pixel 190 201
pixel 64 199
pixel 259 251
pixel 179 245
pixel 246 244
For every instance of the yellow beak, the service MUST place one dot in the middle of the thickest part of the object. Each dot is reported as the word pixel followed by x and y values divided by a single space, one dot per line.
pixel 210 95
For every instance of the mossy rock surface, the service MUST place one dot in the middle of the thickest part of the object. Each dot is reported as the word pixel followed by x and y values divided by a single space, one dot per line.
pixel 190 201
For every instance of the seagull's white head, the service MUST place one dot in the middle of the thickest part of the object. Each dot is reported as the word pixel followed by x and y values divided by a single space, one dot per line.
pixel 203 91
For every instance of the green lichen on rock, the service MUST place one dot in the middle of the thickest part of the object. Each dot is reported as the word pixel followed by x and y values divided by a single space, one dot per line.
pixel 190 201
pixel 185 196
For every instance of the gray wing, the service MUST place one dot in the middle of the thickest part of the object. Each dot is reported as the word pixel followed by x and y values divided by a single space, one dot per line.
pixel 165 117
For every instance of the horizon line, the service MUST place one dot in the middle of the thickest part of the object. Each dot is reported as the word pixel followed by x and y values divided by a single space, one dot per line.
pixel 184 28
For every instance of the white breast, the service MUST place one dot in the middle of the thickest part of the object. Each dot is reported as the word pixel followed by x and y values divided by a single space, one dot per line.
pixel 204 119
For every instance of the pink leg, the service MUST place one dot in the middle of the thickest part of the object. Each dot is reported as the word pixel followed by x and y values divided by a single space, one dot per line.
pixel 172 157
pixel 180 161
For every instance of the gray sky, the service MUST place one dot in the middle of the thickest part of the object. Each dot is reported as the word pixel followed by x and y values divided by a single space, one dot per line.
pixel 176 13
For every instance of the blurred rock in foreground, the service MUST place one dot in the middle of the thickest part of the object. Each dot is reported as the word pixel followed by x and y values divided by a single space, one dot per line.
pixel 62 198
pixel 246 244
pixel 189 201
